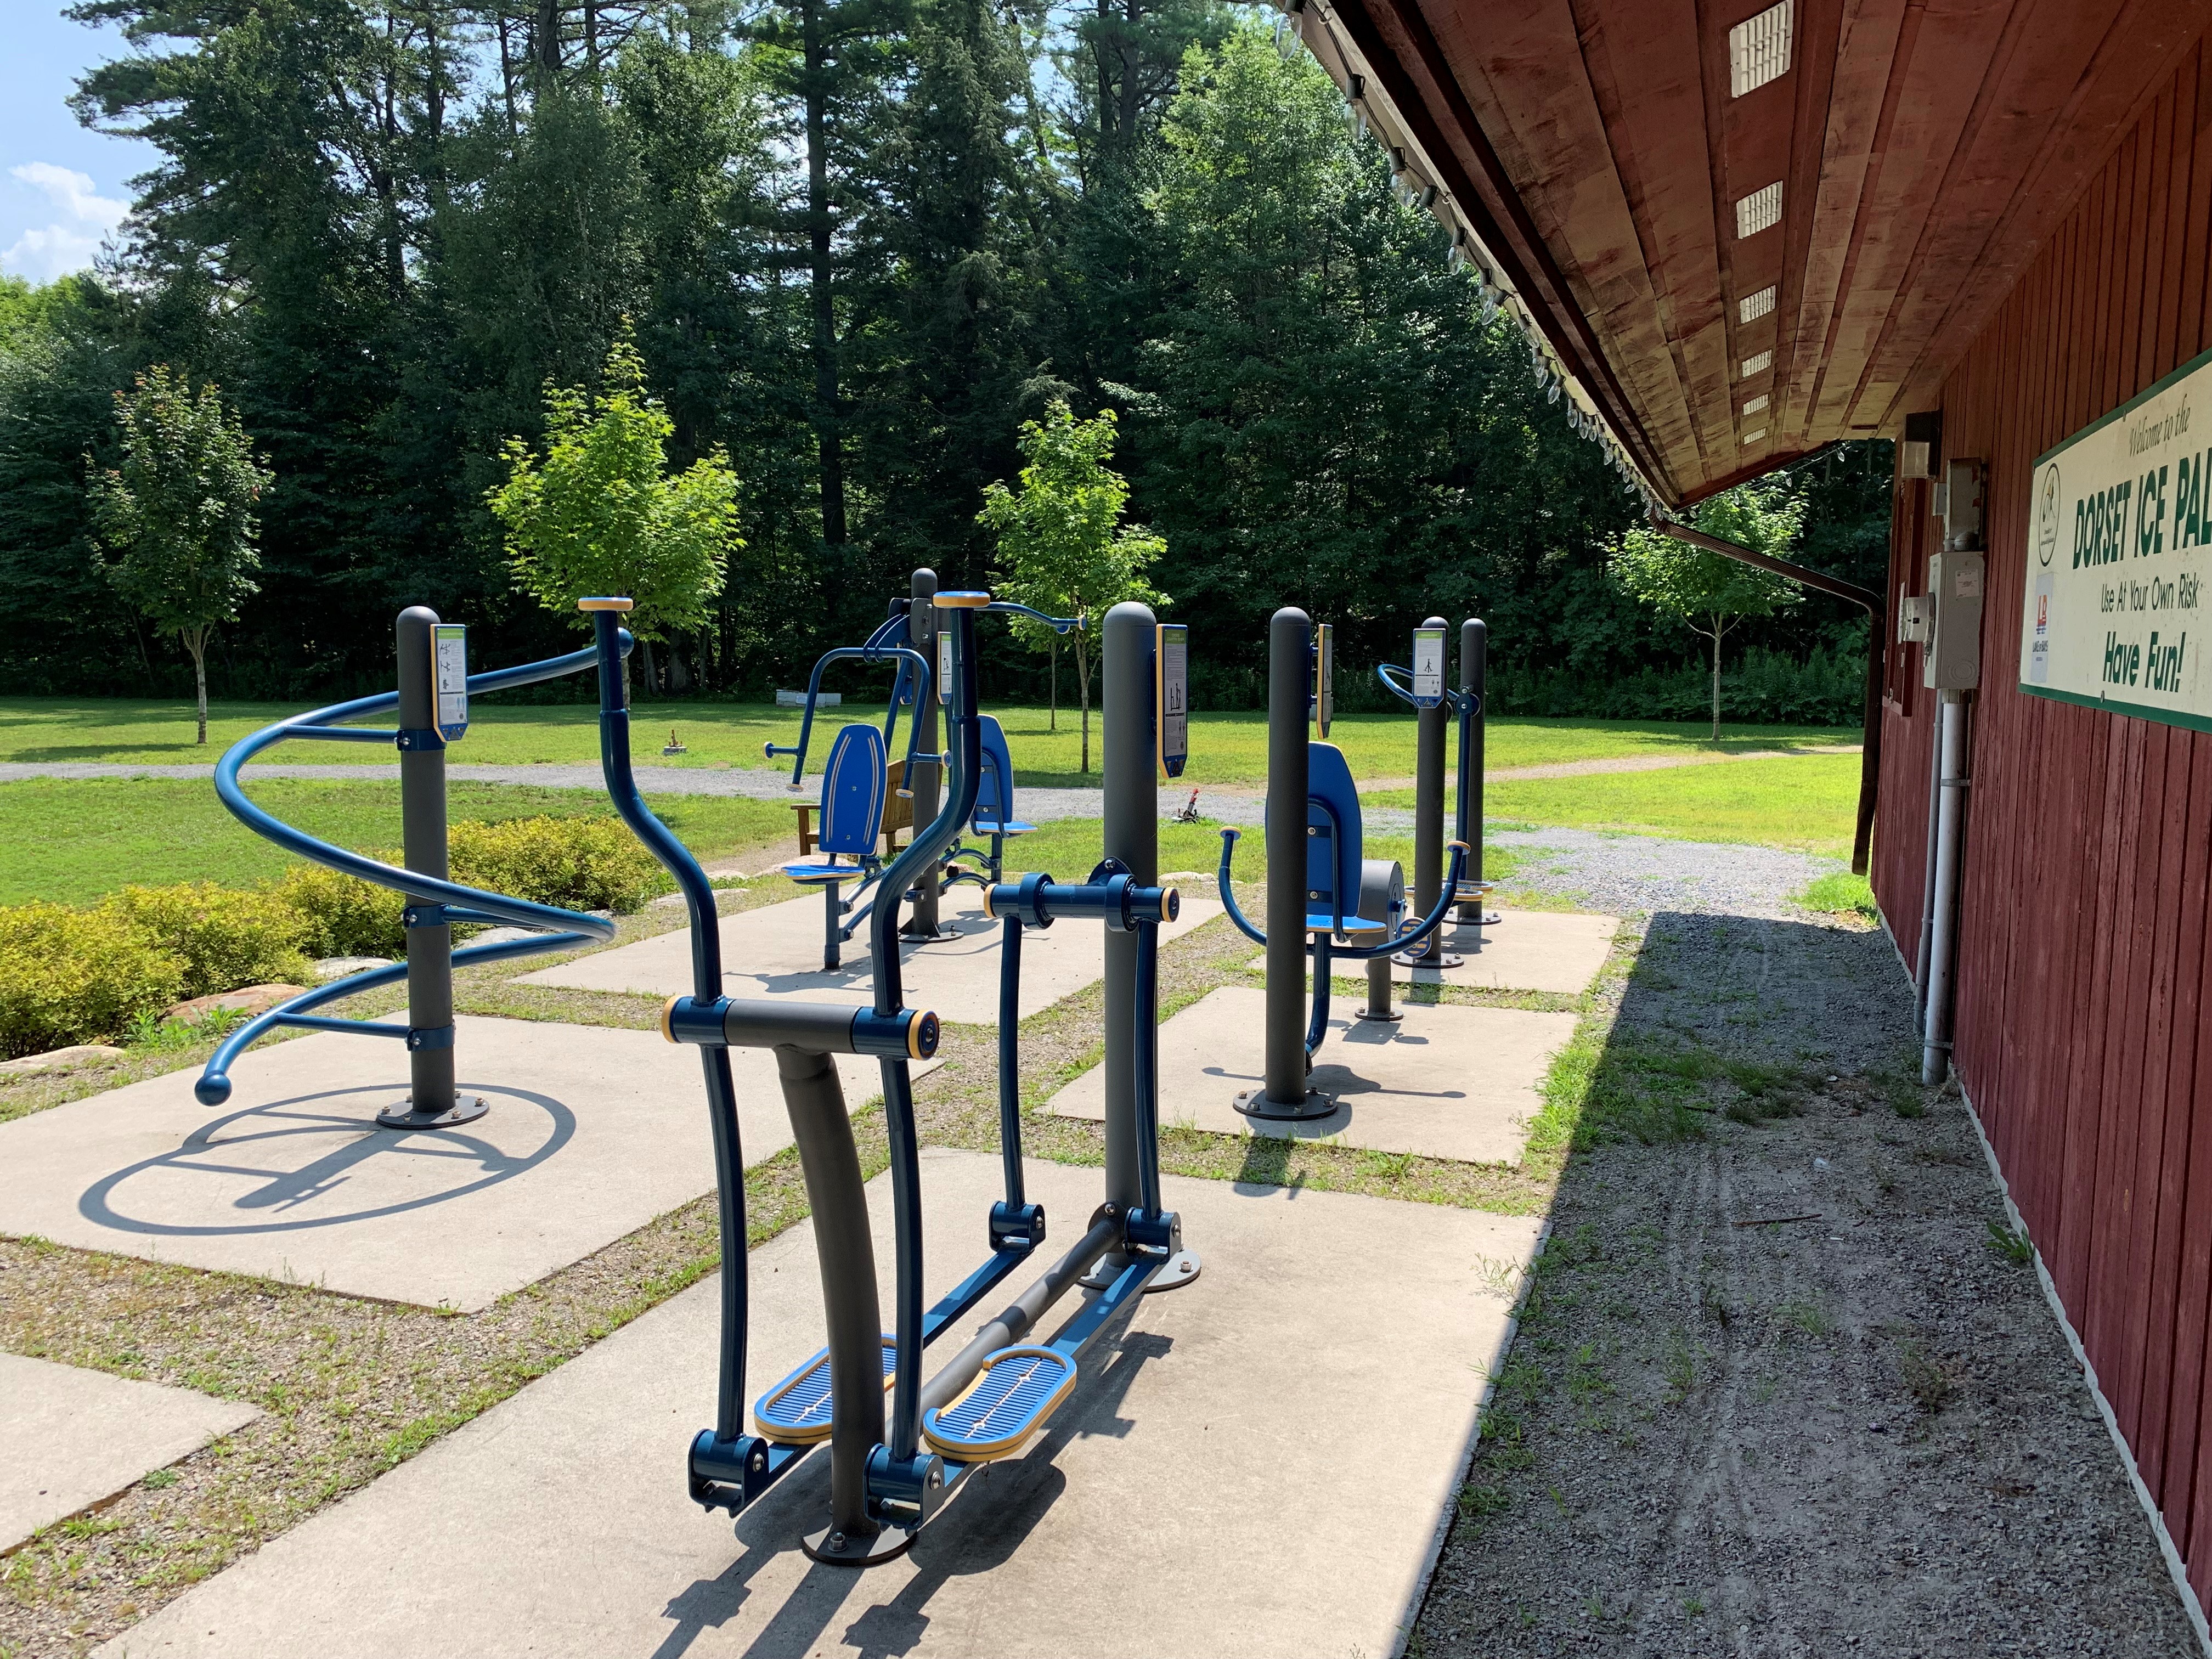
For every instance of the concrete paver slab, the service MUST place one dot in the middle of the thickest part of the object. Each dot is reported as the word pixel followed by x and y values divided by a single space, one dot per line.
pixel 776 951
pixel 1443 1082
pixel 71 1437
pixel 1256 1464
pixel 1528 950
pixel 591 1134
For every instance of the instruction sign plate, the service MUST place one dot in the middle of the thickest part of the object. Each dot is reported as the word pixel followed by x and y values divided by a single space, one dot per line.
pixel 1428 667
pixel 2119 549
pixel 1172 661
pixel 450 652
pixel 944 666
pixel 1324 679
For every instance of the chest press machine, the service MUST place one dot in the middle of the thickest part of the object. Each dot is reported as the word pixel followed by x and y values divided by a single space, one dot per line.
pixel 1326 900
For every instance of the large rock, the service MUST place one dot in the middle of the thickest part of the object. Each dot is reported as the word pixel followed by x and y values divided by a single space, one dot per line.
pixel 56 1059
pixel 246 1000
pixel 330 968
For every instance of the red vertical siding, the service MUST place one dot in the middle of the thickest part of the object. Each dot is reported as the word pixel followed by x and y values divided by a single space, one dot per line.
pixel 2084 1024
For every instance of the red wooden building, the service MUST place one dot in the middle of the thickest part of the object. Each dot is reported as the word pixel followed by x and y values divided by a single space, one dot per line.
pixel 1734 233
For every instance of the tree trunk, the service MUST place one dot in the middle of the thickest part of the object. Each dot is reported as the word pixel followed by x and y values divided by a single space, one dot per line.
pixel 828 439
pixel 1054 694
pixel 196 642
pixel 1083 677
pixel 652 671
pixel 1716 680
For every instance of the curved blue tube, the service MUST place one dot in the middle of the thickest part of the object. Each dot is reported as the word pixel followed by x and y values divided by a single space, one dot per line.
pixel 908 660
pixel 1427 924
pixel 1229 890
pixel 214 1086
pixel 1058 624
pixel 1403 693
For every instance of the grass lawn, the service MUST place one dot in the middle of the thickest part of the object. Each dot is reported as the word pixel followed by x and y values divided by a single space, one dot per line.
pixel 74 840
pixel 1225 748
pixel 1806 804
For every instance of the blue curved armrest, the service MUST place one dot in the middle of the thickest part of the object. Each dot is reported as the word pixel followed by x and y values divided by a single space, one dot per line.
pixel 1448 896
pixel 1229 890
pixel 1058 624
pixel 1403 693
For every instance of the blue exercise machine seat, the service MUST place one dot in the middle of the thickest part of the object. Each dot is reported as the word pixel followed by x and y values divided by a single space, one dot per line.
pixel 1334 846
pixel 852 787
pixel 995 788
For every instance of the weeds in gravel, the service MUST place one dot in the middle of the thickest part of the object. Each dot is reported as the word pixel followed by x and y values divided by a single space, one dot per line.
pixel 2010 1242
pixel 1805 1315
pixel 1924 1378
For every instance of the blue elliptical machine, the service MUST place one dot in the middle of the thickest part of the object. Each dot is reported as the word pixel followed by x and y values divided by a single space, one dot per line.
pixel 891 1471
pixel 1316 870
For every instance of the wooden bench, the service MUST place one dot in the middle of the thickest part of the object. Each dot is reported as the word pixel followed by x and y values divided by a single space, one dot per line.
pixel 898 813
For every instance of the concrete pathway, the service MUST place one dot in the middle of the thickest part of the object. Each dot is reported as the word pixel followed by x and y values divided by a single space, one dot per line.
pixel 592 1131
pixel 1256 1463
pixel 73 1438
pixel 1442 1082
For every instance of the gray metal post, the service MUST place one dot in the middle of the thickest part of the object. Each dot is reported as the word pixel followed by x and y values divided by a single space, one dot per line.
pixel 846 1251
pixel 1431 727
pixel 928 784
pixel 1290 677
pixel 1133 835
pixel 1473 670
pixel 430 1101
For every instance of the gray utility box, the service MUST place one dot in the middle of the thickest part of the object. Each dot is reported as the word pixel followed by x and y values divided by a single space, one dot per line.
pixel 1953 659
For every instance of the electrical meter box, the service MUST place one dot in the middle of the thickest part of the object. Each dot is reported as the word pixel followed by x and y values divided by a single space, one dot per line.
pixel 1953 660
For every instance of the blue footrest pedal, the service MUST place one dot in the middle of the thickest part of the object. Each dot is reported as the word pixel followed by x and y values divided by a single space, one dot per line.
pixel 1017 1390
pixel 796 1411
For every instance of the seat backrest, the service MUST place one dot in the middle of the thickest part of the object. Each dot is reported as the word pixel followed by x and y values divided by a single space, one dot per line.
pixel 994 789
pixel 1332 867
pixel 853 793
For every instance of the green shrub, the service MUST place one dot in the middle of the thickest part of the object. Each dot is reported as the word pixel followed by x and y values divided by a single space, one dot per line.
pixel 583 864
pixel 343 915
pixel 69 976
pixel 226 937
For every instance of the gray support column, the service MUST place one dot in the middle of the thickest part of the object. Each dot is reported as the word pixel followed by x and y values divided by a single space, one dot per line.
pixel 1290 688
pixel 846 1251
pixel 1133 835
pixel 1473 670
pixel 429 949
pixel 1430 727
pixel 928 784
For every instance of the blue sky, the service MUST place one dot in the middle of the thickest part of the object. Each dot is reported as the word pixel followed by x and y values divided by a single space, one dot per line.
pixel 61 187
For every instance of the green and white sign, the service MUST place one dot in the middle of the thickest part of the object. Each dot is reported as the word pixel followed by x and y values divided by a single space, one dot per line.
pixel 2120 546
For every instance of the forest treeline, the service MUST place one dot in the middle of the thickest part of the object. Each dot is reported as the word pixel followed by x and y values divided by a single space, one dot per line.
pixel 857 243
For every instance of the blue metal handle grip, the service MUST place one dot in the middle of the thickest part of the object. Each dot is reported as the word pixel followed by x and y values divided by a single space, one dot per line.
pixel 1058 624
pixel 1404 692
pixel 1229 839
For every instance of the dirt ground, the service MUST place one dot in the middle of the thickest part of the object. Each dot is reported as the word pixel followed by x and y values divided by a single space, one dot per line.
pixel 1785 1382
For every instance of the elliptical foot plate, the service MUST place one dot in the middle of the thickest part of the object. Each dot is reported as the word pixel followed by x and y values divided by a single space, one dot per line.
pixel 1019 1388
pixel 796 1411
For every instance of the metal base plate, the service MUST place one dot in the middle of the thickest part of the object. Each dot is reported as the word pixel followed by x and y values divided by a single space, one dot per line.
pixel 1407 959
pixel 466 1108
pixel 1181 1268
pixel 1254 1103
pixel 910 935
pixel 834 1548
pixel 1393 1017
pixel 1490 919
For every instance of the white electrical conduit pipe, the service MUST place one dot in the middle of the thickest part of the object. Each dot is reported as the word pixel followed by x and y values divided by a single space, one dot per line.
pixel 1949 830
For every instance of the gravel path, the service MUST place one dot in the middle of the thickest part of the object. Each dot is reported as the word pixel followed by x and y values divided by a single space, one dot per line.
pixel 1645 875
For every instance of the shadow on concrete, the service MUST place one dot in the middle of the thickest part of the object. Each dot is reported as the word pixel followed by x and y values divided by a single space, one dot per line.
pixel 263 1135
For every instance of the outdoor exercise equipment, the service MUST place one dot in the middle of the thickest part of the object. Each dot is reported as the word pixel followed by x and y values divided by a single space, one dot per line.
pixel 432 704
pixel 1317 871
pixel 857 781
pixel 891 1469
pixel 1422 685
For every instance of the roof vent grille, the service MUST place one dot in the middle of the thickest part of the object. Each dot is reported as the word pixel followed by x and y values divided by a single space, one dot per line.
pixel 1759 50
pixel 1755 305
pixel 1758 363
pixel 1760 211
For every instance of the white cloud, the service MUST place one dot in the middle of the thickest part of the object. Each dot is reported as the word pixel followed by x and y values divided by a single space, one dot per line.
pixel 82 218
